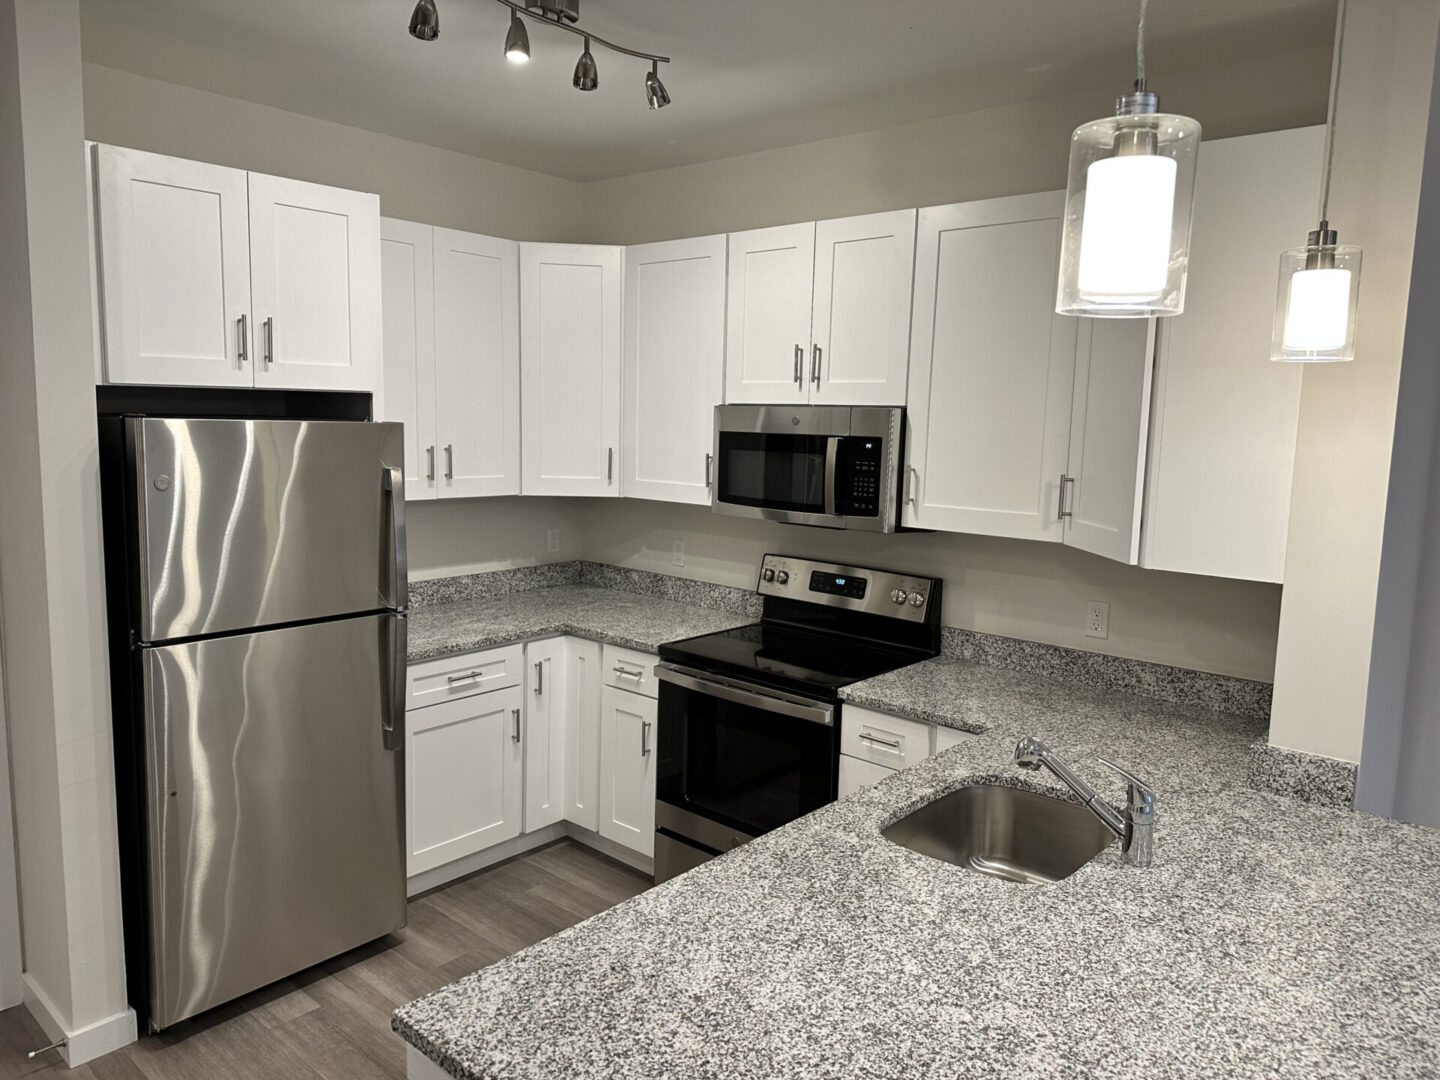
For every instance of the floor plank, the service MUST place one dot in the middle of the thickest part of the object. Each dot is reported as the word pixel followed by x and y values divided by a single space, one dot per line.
pixel 332 1022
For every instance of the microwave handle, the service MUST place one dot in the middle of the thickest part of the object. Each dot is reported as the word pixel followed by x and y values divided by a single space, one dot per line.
pixel 832 474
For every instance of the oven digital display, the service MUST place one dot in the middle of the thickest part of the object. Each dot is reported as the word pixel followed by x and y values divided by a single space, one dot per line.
pixel 838 584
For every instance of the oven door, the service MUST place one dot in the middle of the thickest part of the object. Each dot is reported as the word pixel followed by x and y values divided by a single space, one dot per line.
pixel 736 761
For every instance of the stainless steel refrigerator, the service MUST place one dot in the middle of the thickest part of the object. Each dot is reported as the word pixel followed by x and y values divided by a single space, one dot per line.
pixel 259 672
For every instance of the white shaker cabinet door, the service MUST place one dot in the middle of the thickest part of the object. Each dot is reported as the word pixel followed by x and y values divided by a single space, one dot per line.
pixel 860 343
pixel 992 370
pixel 315 285
pixel 570 344
pixel 1109 427
pixel 408 360
pixel 767 324
pixel 174 253
pixel 673 367
pixel 627 770
pixel 546 705
pixel 583 686
pixel 477 364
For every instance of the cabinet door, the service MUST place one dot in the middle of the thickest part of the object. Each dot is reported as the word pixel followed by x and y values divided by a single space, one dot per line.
pixel 627 770
pixel 860 344
pixel 767 322
pixel 991 370
pixel 583 687
pixel 1223 437
pixel 315 285
pixel 477 364
pixel 408 297
pixel 1109 426
pixel 674 367
pixel 174 253
pixel 463 777
pixel 545 732
pixel 570 341
pixel 856 775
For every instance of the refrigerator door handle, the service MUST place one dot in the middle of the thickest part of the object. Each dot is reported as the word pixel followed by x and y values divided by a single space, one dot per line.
pixel 394 480
pixel 394 642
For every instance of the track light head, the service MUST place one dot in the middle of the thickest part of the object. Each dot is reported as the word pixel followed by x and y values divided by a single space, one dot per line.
pixel 425 21
pixel 656 96
pixel 517 41
pixel 587 76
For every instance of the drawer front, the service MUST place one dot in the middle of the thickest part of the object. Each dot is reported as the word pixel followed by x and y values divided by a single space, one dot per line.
pixel 855 775
pixel 630 669
pixel 886 740
pixel 452 677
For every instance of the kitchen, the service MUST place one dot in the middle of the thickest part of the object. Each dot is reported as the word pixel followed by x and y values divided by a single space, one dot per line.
pixel 615 270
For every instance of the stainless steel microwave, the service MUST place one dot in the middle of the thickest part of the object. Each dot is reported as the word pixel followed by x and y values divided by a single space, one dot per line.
pixel 836 466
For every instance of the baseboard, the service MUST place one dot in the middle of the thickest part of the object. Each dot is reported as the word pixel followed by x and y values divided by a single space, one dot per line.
pixel 83 1044
pixel 619 852
pixel 468 864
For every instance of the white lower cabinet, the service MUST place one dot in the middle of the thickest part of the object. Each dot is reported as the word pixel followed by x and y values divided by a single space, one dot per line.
pixel 874 745
pixel 856 774
pixel 583 680
pixel 627 769
pixel 545 732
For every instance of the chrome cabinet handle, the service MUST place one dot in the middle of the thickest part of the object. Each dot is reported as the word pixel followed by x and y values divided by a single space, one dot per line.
pixel 516 714
pixel 242 352
pixel 393 481
pixel 815 365
pixel 609 464
pixel 470 677
pixel 626 673
pixel 539 676
pixel 799 364
pixel 709 470
pixel 883 742
pixel 449 461
pixel 914 492
pixel 644 738
pixel 430 468
pixel 269 341
pixel 1065 481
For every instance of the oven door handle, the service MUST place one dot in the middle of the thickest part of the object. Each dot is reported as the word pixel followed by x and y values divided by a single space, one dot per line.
pixel 832 471
pixel 816 714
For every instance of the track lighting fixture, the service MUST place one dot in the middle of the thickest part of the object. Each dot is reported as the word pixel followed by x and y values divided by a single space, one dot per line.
pixel 425 25
pixel 425 21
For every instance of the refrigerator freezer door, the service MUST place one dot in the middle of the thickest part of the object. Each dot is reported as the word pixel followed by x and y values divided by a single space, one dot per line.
pixel 275 811
pixel 247 523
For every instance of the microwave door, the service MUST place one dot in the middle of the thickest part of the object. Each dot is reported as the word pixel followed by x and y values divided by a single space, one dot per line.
pixel 832 475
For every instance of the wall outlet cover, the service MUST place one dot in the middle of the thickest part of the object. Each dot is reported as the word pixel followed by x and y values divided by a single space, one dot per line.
pixel 677 557
pixel 1097 619
pixel 552 541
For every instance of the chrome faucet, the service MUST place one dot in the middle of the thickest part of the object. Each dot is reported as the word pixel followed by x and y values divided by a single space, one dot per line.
pixel 1135 827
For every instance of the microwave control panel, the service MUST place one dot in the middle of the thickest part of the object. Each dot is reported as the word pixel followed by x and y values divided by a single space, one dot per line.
pixel 862 458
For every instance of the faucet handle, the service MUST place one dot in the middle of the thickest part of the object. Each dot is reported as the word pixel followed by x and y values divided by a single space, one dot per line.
pixel 1141 796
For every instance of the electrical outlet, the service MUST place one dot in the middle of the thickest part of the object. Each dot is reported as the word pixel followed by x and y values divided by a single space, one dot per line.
pixel 552 541
pixel 1097 619
pixel 677 555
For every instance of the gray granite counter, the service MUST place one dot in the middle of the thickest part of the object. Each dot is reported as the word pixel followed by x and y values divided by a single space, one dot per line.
pixel 1271 938
pixel 610 615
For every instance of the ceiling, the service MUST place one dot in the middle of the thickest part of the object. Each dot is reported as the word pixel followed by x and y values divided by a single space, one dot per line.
pixel 746 75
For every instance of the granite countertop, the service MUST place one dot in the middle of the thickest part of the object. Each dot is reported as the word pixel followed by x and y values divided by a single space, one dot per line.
pixel 1270 939
pixel 608 615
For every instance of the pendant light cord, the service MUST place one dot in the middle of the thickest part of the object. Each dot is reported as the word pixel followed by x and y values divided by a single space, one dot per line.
pixel 1140 47
pixel 1330 120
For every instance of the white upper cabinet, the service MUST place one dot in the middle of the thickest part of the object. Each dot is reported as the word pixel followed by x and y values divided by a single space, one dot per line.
pixel 174 253
pixel 767 339
pixel 408 296
pixel 673 367
pixel 477 364
pixel 218 277
pixel 315 285
pixel 820 312
pixel 1223 438
pixel 570 344
pixel 991 372
pixel 860 339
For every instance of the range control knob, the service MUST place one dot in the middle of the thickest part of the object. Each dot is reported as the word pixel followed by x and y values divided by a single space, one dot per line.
pixel 768 574
pixel 917 599
pixel 782 576
pixel 898 595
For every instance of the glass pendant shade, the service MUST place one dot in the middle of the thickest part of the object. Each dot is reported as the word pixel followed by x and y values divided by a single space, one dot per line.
pixel 1126 242
pixel 1316 303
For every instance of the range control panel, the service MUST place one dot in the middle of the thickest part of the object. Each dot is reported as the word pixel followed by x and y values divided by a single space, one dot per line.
pixel 878 592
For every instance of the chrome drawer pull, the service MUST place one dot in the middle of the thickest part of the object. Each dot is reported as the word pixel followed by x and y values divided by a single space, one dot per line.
pixel 895 745
pixel 471 677
pixel 626 673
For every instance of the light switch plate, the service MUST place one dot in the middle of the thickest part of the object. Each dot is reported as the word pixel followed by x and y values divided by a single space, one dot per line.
pixel 1097 619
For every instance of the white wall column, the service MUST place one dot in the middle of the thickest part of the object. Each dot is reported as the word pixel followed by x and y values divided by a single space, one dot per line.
pixel 57 693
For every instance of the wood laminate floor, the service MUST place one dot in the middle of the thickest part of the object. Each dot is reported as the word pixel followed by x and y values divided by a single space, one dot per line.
pixel 332 1022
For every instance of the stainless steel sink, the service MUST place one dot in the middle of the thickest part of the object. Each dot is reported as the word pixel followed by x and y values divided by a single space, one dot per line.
pixel 1005 832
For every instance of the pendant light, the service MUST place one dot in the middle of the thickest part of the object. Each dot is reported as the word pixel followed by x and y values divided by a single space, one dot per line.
pixel 1320 282
pixel 1126 241
pixel 517 41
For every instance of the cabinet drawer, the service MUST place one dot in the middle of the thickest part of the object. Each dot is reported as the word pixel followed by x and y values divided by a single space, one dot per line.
pixel 882 739
pixel 855 775
pixel 451 677
pixel 630 669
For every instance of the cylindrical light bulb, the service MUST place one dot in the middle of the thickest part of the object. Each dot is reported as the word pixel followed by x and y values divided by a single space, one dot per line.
pixel 1125 235
pixel 1318 314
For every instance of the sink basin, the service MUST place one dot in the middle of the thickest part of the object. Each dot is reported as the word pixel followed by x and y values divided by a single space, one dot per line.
pixel 1004 832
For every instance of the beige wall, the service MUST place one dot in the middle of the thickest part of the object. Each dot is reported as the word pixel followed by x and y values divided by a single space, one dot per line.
pixel 1347 411
pixel 466 536
pixel 415 182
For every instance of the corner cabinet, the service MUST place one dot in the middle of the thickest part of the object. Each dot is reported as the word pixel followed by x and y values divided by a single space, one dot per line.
pixel 211 276
pixel 674 362
pixel 819 313
pixel 570 345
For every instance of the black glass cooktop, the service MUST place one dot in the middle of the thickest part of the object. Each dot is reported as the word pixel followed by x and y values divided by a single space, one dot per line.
pixel 787 658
